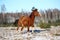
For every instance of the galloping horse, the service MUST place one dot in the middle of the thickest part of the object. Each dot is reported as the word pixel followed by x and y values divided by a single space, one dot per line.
pixel 27 20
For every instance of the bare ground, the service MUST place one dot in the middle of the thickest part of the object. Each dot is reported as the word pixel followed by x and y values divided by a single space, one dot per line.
pixel 10 33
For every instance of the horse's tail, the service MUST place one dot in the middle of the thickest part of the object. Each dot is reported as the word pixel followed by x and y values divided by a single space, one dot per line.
pixel 15 23
pixel 19 23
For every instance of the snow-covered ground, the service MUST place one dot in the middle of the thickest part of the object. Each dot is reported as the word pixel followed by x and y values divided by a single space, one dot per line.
pixel 10 33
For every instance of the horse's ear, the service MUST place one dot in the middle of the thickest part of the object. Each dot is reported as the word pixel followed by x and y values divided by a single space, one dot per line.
pixel 35 10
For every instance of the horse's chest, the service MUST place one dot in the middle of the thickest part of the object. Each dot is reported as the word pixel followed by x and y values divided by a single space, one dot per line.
pixel 31 22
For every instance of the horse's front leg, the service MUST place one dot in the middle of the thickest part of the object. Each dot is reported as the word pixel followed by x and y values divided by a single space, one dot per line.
pixel 32 28
pixel 28 28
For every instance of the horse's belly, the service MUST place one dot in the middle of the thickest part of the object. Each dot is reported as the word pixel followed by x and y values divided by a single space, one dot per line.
pixel 25 23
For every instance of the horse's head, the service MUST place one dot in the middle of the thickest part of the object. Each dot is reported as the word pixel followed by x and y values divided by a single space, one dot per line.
pixel 36 13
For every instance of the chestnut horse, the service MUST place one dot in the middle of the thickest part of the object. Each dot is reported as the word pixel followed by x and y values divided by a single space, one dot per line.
pixel 27 20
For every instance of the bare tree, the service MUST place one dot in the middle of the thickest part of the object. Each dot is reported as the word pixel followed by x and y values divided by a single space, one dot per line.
pixel 3 9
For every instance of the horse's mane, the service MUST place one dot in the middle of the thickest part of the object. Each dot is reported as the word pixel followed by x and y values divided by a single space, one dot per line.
pixel 31 14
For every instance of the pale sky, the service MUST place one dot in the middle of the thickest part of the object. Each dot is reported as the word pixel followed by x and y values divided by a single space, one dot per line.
pixel 26 5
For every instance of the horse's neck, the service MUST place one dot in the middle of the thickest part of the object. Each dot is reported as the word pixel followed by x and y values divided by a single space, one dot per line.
pixel 32 17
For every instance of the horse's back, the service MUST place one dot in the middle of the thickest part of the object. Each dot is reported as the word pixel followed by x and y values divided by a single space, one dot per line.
pixel 24 20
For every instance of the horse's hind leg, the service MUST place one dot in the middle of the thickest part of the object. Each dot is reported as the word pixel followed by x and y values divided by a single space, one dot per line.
pixel 18 25
pixel 22 27
pixel 17 28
